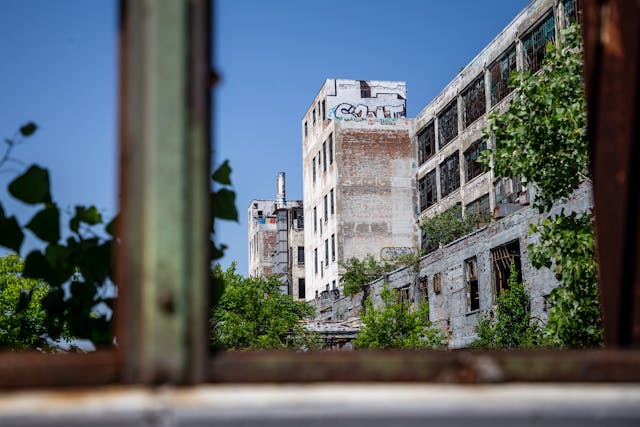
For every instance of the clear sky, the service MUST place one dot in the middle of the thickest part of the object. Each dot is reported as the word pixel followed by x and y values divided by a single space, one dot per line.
pixel 59 69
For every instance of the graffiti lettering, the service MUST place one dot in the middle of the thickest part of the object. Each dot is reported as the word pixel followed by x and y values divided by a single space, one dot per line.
pixel 391 252
pixel 346 111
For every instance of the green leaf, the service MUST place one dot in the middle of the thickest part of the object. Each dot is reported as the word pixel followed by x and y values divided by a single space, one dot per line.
pixel 222 175
pixel 111 227
pixel 90 216
pixel 224 205
pixel 28 129
pixel 46 224
pixel 11 235
pixel 32 187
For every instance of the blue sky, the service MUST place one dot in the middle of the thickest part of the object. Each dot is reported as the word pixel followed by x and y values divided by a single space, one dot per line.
pixel 59 70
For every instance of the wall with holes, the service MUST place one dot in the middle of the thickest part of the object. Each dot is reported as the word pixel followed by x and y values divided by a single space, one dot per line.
pixel 450 306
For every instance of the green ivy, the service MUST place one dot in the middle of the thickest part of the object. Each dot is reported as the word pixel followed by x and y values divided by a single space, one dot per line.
pixel 450 225
pixel 358 273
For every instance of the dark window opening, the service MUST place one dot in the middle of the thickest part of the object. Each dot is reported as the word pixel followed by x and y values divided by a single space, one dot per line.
pixel 473 166
pixel 422 287
pixel 474 102
pixel 500 72
pixel 428 191
pixel 426 143
pixel 300 255
pixel 314 170
pixel 331 149
pixel 479 206
pixel 507 190
pixel 326 251
pixel 365 89
pixel 534 44
pixel 326 208
pixel 315 219
pixel 471 275
pixel 333 247
pixel 324 110
pixel 305 129
pixel 314 116
pixel 297 219
pixel 501 259
pixel 315 260
pixel 448 124
pixel 449 174
pixel 301 288
pixel 403 295
pixel 332 202
pixel 324 156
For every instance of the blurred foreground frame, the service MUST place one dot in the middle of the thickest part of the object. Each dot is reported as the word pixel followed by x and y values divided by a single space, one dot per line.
pixel 162 311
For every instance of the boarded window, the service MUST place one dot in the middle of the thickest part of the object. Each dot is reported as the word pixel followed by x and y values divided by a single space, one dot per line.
pixel 471 276
pixel 437 283
pixel 535 43
pixel 473 167
pixel 449 174
pixel 301 288
pixel 428 191
pixel 500 72
pixel 479 206
pixel 473 101
pixel 501 258
pixel 426 143
pixel 448 124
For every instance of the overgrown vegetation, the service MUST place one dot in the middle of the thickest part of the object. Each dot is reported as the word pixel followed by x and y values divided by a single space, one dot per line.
pixel 394 325
pixel 450 225
pixel 512 325
pixel 358 273
pixel 253 314
pixel 542 138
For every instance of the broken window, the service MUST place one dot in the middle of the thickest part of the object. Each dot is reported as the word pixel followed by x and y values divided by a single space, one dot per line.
pixel 301 288
pixel 403 295
pixel 500 72
pixel 332 202
pixel 507 190
pixel 449 174
pixel 422 287
pixel 473 101
pixel 428 191
pixel 571 12
pixel 426 143
pixel 437 283
pixel 315 260
pixel 534 44
pixel 479 206
pixel 471 276
pixel 333 247
pixel 297 219
pixel 300 255
pixel 473 166
pixel 448 124
pixel 330 148
pixel 315 219
pixel 501 259
pixel 324 156
pixel 365 89
pixel 314 170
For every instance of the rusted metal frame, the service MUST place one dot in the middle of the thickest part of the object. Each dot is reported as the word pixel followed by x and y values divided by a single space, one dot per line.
pixel 612 65
pixel 427 366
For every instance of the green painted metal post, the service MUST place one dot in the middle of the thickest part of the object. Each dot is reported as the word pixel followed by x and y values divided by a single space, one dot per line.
pixel 165 161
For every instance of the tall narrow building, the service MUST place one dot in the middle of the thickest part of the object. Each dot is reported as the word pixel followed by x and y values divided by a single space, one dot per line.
pixel 276 240
pixel 359 174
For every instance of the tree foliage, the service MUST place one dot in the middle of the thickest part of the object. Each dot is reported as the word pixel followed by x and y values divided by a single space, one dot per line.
pixel 395 325
pixel 450 225
pixel 542 137
pixel 512 325
pixel 358 273
pixel 253 314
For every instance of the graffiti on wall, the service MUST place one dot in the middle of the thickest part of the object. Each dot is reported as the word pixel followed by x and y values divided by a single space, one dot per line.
pixel 385 114
pixel 389 253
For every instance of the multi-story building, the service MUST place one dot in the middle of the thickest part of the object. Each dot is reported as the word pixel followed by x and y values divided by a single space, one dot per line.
pixel 276 240
pixel 359 177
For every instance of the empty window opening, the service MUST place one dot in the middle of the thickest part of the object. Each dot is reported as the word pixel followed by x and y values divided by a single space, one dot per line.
pixel 479 206
pixel 471 276
pixel 534 44
pixel 501 258
pixel 314 170
pixel 448 124
pixel 428 190
pixel 301 288
pixel 333 247
pixel 315 261
pixel 330 149
pixel 305 129
pixel 437 283
pixel 426 143
pixel 324 156
pixel 300 255
pixel 326 251
pixel 507 190
pixel 324 111
pixel 314 116
pixel 500 72
pixel 326 208
pixel 332 201
pixel 473 166
pixel 473 101
pixel 403 295
pixel 449 174
pixel 315 219
pixel 365 89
